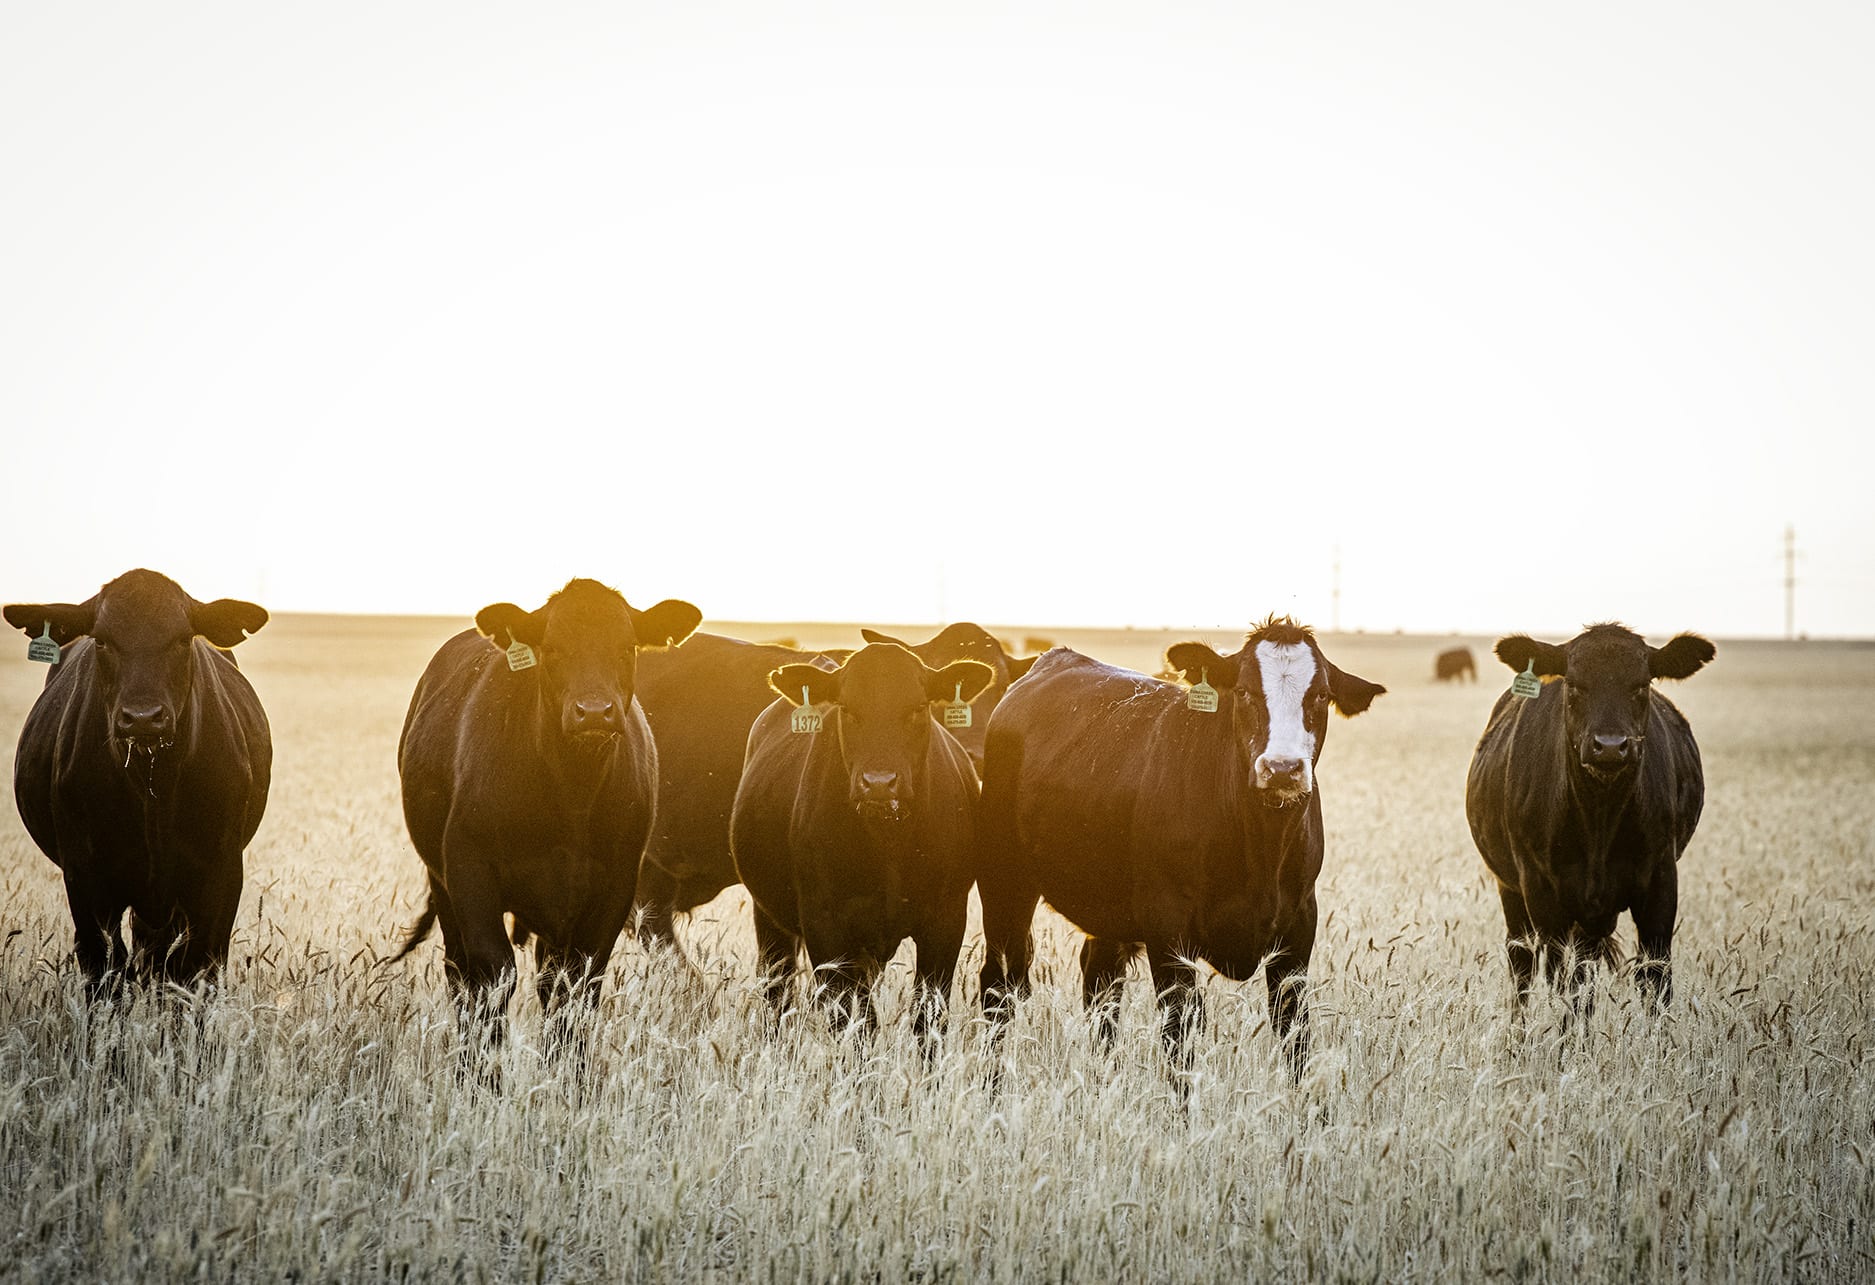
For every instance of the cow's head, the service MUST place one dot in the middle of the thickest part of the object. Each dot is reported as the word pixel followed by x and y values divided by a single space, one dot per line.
pixel 966 641
pixel 1277 691
pixel 585 641
pixel 881 717
pixel 142 628
pixel 1607 673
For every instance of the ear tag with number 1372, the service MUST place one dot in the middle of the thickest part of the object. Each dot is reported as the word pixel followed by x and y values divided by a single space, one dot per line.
pixel 1527 684
pixel 520 655
pixel 43 649
pixel 957 712
pixel 1202 696
pixel 806 718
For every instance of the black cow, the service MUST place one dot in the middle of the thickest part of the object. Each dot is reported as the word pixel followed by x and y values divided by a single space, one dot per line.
pixel 531 789
pixel 1582 797
pixel 858 835
pixel 702 699
pixel 1453 664
pixel 1147 822
pixel 143 771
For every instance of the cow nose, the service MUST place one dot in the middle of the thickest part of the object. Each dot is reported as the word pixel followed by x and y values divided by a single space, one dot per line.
pixel 1281 773
pixel 878 787
pixel 146 722
pixel 596 716
pixel 1610 751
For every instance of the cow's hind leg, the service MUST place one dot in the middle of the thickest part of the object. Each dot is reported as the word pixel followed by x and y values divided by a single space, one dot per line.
pixel 1286 973
pixel 1103 980
pixel 1008 944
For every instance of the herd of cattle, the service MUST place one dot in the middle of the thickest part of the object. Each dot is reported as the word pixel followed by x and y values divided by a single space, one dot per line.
pixel 571 770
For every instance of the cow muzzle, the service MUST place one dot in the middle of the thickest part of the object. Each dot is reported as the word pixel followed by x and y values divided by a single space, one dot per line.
pixel 877 796
pixel 1607 757
pixel 1283 781
pixel 594 720
pixel 144 726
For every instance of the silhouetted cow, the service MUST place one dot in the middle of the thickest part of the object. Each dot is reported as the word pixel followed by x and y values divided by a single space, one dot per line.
pixel 702 699
pixel 1582 798
pixel 858 835
pixel 143 770
pixel 1453 664
pixel 1146 821
pixel 530 780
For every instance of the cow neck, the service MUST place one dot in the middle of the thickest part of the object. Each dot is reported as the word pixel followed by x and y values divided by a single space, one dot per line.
pixel 1599 805
pixel 576 773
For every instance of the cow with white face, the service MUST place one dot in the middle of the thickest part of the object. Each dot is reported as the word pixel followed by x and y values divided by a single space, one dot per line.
pixel 1184 822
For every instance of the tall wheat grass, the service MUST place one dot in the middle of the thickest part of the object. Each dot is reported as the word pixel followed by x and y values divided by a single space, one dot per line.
pixel 305 1119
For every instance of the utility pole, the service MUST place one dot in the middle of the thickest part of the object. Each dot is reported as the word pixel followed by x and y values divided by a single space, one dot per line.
pixel 1790 582
pixel 1335 596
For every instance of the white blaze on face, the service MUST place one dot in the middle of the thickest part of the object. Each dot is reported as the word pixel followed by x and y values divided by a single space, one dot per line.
pixel 1288 669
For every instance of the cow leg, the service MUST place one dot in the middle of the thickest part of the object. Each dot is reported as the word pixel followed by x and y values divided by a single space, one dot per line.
pixel 937 949
pixel 567 980
pixel 1519 942
pixel 1103 980
pixel 845 988
pixel 478 960
pixel 200 928
pixel 1008 945
pixel 655 915
pixel 778 952
pixel 1181 1007
pixel 1286 973
pixel 1654 916
pixel 97 936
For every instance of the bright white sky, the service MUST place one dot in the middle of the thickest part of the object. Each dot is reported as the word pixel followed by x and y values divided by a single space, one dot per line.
pixel 1069 314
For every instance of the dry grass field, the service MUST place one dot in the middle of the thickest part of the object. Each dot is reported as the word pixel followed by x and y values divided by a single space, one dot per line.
pixel 304 1122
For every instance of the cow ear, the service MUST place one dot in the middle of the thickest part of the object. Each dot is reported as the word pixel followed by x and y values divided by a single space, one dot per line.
pixel 1351 693
pixel 822 685
pixel 1197 661
pixel 1019 665
pixel 874 636
pixel 1685 656
pixel 68 620
pixel 665 625
pixel 505 624
pixel 966 678
pixel 1521 652
pixel 226 621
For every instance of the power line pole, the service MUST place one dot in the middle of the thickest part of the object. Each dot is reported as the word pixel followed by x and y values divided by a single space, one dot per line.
pixel 1335 596
pixel 1790 582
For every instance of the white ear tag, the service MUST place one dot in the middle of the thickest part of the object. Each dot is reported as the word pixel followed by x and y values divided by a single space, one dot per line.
pixel 806 718
pixel 1527 684
pixel 520 655
pixel 957 712
pixel 1202 696
pixel 43 649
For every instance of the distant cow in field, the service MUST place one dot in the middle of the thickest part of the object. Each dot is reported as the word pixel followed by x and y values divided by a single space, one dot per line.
pixel 529 781
pixel 143 770
pixel 1582 797
pixel 858 835
pixel 1150 823
pixel 702 698
pixel 1453 664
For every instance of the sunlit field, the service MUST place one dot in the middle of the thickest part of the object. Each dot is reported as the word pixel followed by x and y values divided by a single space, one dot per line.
pixel 305 1120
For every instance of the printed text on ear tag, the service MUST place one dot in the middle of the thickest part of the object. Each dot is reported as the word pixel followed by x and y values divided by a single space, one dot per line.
pixel 805 718
pixel 1202 696
pixel 1527 684
pixel 43 649
pixel 957 712
pixel 520 655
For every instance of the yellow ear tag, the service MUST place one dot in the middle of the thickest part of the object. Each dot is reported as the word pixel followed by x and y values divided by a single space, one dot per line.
pixel 957 712
pixel 806 718
pixel 1527 684
pixel 43 649
pixel 520 655
pixel 1202 696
